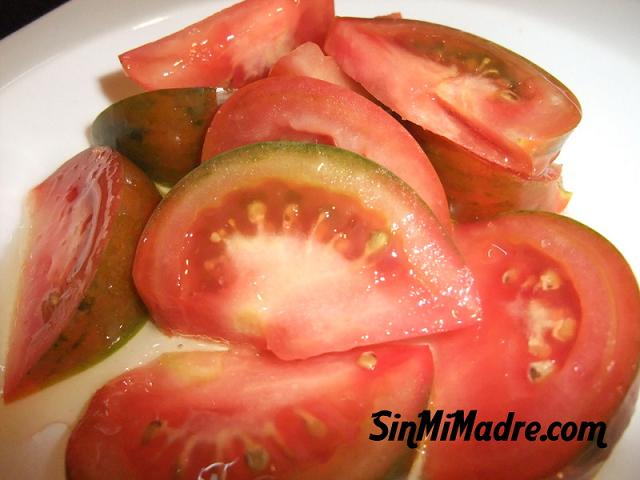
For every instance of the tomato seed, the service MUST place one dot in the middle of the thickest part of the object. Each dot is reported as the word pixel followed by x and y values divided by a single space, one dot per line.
pixel 378 241
pixel 315 426
pixel 54 298
pixel 538 371
pixel 49 305
pixel 565 329
pixel 368 360
pixel 490 73
pixel 509 276
pixel 509 95
pixel 256 211
pixel 151 431
pixel 257 458
pixel 550 280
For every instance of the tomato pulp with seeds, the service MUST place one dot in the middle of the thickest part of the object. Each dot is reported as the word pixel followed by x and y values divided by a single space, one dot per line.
pixel 559 341
pixel 477 188
pixel 274 208
pixel 76 301
pixel 160 131
pixel 242 415
pixel 230 48
pixel 493 103
pixel 301 249
pixel 311 110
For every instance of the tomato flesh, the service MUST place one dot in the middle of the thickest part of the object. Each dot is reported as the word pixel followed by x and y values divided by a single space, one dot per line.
pixel 77 302
pixel 559 341
pixel 243 415
pixel 488 100
pixel 230 48
pixel 301 249
pixel 161 131
pixel 308 60
pixel 311 110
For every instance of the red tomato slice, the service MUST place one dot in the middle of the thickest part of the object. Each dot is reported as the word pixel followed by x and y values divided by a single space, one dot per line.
pixel 308 60
pixel 311 110
pixel 77 300
pixel 559 341
pixel 230 48
pixel 302 249
pixel 240 415
pixel 487 99
pixel 477 188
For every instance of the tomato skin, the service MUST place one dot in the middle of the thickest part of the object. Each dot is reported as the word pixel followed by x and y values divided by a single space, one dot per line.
pixel 477 94
pixel 211 271
pixel 311 110
pixel 96 307
pixel 160 131
pixel 597 381
pixel 291 420
pixel 478 189
pixel 230 48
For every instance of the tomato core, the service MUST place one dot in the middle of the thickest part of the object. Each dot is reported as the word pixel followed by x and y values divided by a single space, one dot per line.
pixel 542 301
pixel 304 218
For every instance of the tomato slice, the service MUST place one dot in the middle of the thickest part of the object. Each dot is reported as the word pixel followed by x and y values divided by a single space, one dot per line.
pixel 477 188
pixel 302 249
pixel 241 415
pixel 483 97
pixel 77 302
pixel 308 60
pixel 311 110
pixel 230 48
pixel 161 131
pixel 559 341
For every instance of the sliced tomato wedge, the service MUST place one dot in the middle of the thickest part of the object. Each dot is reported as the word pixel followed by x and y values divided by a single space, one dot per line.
pixel 240 415
pixel 308 60
pixel 302 249
pixel 483 97
pixel 559 342
pixel 477 188
pixel 160 131
pixel 311 110
pixel 76 301
pixel 230 48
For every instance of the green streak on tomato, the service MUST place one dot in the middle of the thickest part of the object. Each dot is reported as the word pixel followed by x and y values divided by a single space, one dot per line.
pixel 160 131
pixel 477 188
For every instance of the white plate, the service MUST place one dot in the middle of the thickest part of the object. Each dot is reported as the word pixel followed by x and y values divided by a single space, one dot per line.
pixel 59 72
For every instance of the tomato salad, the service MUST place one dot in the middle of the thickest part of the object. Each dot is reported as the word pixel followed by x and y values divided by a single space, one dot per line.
pixel 358 215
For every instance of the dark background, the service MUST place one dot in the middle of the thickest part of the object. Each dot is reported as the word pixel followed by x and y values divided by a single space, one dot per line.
pixel 15 14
